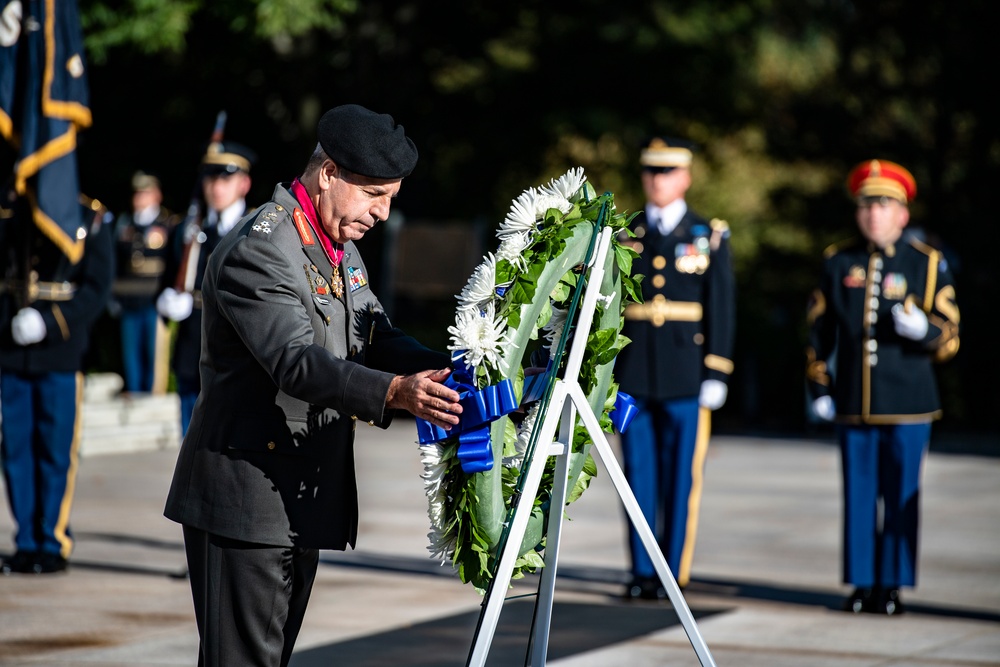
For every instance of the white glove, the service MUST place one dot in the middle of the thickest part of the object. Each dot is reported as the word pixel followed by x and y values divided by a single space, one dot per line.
pixel 912 325
pixel 824 409
pixel 10 23
pixel 27 327
pixel 175 305
pixel 713 394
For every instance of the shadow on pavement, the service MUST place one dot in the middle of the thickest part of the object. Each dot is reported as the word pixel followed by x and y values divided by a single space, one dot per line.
pixel 598 579
pixel 813 598
pixel 446 642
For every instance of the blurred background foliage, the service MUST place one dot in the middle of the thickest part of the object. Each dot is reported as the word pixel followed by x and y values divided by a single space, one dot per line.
pixel 783 97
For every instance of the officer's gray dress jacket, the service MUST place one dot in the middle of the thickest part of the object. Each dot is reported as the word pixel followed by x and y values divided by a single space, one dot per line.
pixel 286 369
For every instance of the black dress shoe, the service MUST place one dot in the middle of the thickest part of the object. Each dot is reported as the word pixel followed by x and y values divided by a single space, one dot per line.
pixel 22 562
pixel 889 603
pixel 862 599
pixel 51 563
pixel 645 588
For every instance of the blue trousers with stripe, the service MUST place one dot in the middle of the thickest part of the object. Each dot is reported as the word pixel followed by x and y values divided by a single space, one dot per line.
pixel 40 431
pixel 138 328
pixel 881 466
pixel 664 470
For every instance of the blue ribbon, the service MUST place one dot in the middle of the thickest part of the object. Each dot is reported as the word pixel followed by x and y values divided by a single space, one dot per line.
pixel 479 408
pixel 623 412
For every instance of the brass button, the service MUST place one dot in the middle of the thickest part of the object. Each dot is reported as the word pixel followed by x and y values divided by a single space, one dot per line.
pixel 271 445
pixel 277 207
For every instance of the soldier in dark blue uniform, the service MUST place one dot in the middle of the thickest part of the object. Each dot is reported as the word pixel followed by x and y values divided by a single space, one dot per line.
pixel 679 362
pixel 141 249
pixel 225 180
pixel 884 313
pixel 48 304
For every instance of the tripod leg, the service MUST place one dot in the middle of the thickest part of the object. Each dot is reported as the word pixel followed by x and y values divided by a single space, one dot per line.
pixel 645 533
pixel 546 588
pixel 505 569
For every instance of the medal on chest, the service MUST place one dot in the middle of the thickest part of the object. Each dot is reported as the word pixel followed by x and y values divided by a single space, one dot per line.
pixel 337 282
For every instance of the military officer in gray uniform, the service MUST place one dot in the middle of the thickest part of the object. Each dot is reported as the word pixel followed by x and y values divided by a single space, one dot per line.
pixel 296 350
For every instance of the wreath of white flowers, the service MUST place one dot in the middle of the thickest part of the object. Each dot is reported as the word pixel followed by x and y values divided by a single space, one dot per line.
pixel 501 311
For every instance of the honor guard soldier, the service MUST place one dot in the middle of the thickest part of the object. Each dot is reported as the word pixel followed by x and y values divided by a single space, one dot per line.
pixel 140 252
pixel 884 313
pixel 225 182
pixel 678 363
pixel 48 304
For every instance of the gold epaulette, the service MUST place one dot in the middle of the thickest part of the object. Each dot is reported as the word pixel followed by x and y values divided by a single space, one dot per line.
pixel 720 229
pixel 93 204
pixel 834 248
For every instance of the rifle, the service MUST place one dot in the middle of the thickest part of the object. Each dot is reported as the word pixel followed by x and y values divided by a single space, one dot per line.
pixel 192 222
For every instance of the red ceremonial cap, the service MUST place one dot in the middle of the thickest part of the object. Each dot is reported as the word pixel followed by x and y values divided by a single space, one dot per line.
pixel 881 178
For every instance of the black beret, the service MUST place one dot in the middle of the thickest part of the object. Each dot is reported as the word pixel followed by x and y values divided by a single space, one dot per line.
pixel 367 143
pixel 227 157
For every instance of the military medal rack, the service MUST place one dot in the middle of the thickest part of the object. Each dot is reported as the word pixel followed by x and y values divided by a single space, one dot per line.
pixel 565 402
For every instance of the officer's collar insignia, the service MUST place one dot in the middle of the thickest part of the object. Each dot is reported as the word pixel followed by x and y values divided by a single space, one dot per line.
pixel 303 227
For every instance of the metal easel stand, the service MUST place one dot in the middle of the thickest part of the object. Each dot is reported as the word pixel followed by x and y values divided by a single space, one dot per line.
pixel 568 399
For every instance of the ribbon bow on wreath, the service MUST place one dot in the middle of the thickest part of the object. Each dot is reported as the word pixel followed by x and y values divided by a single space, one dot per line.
pixel 480 407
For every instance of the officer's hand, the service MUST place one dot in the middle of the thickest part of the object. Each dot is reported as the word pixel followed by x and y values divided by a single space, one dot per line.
pixel 175 305
pixel 824 409
pixel 423 395
pixel 28 327
pixel 910 323
pixel 713 394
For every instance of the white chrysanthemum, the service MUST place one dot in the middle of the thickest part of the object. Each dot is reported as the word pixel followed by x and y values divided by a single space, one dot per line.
pixel 524 432
pixel 554 328
pixel 511 248
pixel 522 216
pixel 546 201
pixel 567 185
pixel 481 335
pixel 480 288
pixel 442 547
pixel 442 537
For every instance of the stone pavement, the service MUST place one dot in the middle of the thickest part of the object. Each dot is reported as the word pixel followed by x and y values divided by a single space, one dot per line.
pixel 765 586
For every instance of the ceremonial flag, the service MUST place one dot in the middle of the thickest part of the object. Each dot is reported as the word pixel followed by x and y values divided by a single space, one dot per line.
pixel 44 102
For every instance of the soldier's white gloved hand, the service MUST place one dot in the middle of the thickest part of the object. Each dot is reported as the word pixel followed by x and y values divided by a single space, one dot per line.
pixel 824 409
pixel 28 327
pixel 175 305
pixel 713 394
pixel 912 325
